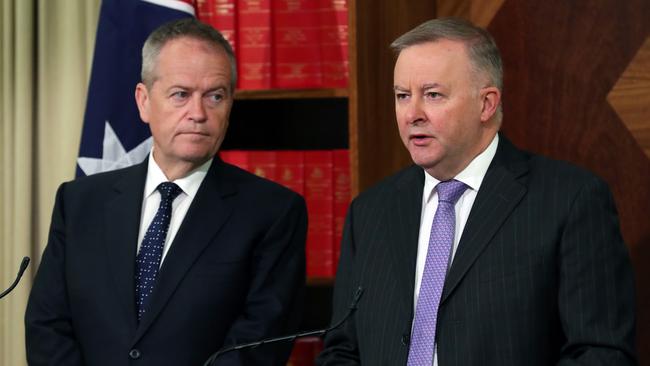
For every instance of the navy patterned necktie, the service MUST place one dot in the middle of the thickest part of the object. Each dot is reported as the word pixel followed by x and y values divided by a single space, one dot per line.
pixel 435 271
pixel 148 260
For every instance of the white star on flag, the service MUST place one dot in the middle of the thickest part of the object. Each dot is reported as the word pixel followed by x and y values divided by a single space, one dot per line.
pixel 114 156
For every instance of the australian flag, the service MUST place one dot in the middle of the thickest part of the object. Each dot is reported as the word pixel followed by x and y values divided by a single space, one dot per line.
pixel 113 135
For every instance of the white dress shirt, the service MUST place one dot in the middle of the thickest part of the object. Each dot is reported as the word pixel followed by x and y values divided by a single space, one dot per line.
pixel 472 176
pixel 151 199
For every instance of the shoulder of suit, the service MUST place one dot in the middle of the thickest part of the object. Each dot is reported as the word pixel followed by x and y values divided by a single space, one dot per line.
pixel 560 169
pixel 407 178
pixel 98 180
pixel 534 166
pixel 556 177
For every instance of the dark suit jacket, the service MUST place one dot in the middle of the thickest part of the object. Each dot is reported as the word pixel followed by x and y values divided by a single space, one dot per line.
pixel 234 273
pixel 541 275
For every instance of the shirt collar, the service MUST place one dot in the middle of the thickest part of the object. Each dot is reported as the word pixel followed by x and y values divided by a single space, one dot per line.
pixel 473 173
pixel 189 184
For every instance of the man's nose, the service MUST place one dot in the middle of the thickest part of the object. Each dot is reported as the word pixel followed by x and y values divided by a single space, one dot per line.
pixel 414 113
pixel 197 109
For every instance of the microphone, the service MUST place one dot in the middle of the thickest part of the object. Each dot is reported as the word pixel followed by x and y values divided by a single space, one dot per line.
pixel 320 332
pixel 21 270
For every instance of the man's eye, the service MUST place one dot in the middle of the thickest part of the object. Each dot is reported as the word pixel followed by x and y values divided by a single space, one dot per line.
pixel 433 95
pixel 180 94
pixel 401 96
pixel 216 97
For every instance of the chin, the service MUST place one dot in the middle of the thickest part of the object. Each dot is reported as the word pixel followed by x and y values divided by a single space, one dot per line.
pixel 196 152
pixel 426 161
pixel 196 158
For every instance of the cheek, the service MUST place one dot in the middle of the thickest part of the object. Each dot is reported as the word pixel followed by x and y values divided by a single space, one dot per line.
pixel 403 130
pixel 400 117
pixel 163 127
pixel 400 113
pixel 219 120
pixel 439 113
pixel 446 121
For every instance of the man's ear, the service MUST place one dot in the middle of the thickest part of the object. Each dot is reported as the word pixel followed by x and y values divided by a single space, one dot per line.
pixel 490 99
pixel 142 100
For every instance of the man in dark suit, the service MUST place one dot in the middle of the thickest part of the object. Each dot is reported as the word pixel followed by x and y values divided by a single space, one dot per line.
pixel 166 262
pixel 479 254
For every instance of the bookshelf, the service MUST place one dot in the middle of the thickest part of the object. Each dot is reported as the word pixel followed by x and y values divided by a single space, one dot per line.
pixel 369 130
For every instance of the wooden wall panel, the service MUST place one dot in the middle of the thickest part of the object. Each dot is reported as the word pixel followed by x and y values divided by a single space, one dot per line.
pixel 576 88
pixel 630 97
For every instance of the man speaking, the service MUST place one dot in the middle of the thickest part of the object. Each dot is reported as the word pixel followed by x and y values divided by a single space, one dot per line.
pixel 480 253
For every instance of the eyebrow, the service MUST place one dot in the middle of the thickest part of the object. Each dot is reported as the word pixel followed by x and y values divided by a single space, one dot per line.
pixel 423 87
pixel 226 89
pixel 216 88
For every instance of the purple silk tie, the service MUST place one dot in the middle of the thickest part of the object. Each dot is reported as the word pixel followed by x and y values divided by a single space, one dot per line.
pixel 435 271
pixel 148 260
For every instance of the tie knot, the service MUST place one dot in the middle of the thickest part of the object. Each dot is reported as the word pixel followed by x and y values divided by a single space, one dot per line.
pixel 450 191
pixel 168 191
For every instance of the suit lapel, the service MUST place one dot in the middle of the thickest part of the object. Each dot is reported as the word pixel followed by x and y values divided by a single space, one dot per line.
pixel 499 194
pixel 404 216
pixel 121 225
pixel 207 213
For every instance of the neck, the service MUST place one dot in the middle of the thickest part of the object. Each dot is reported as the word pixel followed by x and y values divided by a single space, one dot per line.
pixel 444 172
pixel 177 169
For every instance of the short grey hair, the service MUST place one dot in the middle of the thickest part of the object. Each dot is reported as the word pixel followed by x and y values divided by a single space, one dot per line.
pixel 481 47
pixel 186 27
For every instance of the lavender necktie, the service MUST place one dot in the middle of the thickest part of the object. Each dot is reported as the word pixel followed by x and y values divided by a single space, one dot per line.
pixel 148 260
pixel 435 270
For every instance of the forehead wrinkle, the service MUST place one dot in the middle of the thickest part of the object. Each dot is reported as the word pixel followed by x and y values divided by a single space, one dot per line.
pixel 431 85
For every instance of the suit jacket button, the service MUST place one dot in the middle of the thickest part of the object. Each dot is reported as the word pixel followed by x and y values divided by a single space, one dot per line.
pixel 405 340
pixel 134 354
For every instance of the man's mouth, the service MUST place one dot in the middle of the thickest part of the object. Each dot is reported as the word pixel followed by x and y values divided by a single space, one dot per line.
pixel 198 133
pixel 420 139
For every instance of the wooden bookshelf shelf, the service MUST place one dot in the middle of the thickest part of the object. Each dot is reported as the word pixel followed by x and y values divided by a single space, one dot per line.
pixel 290 94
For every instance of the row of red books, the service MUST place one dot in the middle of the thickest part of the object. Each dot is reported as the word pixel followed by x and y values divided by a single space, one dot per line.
pixel 284 43
pixel 323 178
pixel 305 351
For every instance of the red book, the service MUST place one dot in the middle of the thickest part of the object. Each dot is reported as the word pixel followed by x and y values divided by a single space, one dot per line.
pixel 334 43
pixel 291 170
pixel 220 14
pixel 341 197
pixel 254 44
pixel 305 351
pixel 319 194
pixel 296 38
pixel 238 158
pixel 262 163
pixel 204 10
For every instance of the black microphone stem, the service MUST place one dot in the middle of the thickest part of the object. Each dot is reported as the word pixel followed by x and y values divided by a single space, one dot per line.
pixel 291 337
pixel 21 270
